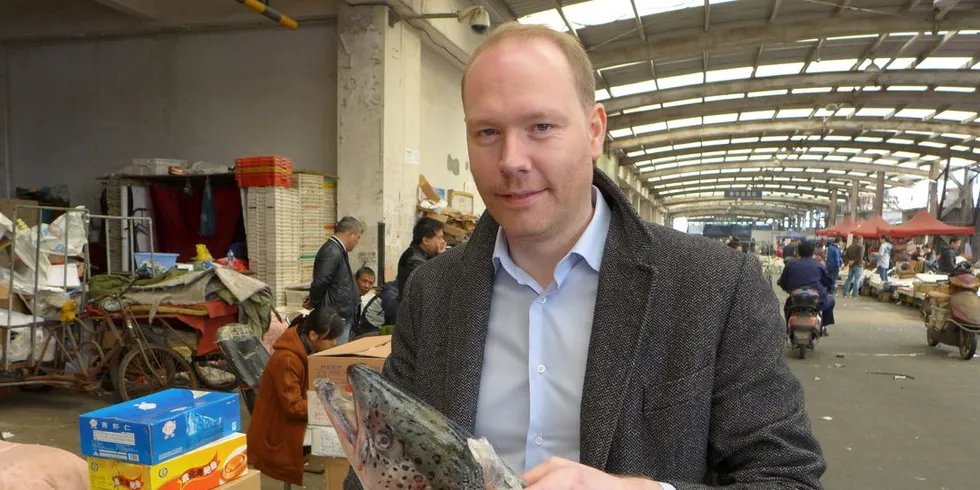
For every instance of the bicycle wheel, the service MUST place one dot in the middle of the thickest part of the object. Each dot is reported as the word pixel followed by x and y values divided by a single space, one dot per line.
pixel 150 369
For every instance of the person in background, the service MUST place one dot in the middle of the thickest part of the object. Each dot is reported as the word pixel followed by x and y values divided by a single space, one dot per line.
pixel 928 258
pixel 807 272
pixel 884 258
pixel 834 263
pixel 333 280
pixel 427 242
pixel 275 435
pixel 820 252
pixel 946 257
pixel 854 259
pixel 789 251
pixel 372 314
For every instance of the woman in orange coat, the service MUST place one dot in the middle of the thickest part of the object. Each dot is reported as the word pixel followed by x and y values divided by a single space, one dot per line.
pixel 275 434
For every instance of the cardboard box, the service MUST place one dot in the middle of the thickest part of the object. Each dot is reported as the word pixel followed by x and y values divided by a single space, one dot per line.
pixel 335 472
pixel 28 216
pixel 325 442
pixel 332 363
pixel 251 481
pixel 203 468
pixel 158 427
pixel 315 413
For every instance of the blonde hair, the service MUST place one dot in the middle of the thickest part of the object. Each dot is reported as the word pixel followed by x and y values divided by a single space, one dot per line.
pixel 578 59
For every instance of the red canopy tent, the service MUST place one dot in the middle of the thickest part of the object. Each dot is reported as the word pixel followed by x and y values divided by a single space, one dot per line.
pixel 841 229
pixel 924 224
pixel 872 228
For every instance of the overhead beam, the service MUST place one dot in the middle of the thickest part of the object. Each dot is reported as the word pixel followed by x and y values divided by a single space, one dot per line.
pixel 763 187
pixel 961 78
pixel 639 22
pixel 707 15
pixel 844 4
pixel 763 176
pixel 140 9
pixel 775 10
pixel 737 210
pixel 949 7
pixel 924 100
pixel 500 8
pixel 844 166
pixel 791 145
pixel 787 201
pixel 712 131
pixel 673 45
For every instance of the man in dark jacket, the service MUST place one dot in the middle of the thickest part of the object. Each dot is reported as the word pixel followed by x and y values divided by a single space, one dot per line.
pixel 333 280
pixel 427 242
pixel 946 259
pixel 854 259
pixel 834 262
pixel 807 272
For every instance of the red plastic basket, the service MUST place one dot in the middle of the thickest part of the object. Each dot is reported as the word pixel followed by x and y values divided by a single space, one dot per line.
pixel 274 179
pixel 264 161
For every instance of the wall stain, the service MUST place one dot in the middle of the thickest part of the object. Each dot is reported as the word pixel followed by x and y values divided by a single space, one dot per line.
pixel 453 164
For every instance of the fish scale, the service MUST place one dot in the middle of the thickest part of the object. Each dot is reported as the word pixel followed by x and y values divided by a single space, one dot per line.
pixel 395 441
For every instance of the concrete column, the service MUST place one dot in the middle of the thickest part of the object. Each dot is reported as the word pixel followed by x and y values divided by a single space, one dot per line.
pixel 855 188
pixel 879 194
pixel 5 129
pixel 832 210
pixel 378 76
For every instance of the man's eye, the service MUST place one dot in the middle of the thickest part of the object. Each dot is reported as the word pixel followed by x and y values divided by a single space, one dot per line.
pixel 487 132
pixel 542 127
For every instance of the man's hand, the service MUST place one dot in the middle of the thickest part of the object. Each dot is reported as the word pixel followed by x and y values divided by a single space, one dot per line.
pixel 562 474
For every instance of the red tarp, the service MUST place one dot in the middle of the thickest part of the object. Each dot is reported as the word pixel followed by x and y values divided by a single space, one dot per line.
pixel 841 229
pixel 872 228
pixel 924 224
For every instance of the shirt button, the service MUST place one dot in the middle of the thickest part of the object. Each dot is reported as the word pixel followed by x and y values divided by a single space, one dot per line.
pixel 541 368
pixel 542 300
pixel 539 440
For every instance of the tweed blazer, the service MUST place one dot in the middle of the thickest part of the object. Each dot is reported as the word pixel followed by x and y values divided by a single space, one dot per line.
pixel 685 380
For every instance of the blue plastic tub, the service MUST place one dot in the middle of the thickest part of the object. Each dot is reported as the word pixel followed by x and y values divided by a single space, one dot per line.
pixel 165 260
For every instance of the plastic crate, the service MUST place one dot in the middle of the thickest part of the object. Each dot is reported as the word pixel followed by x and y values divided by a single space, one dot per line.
pixel 276 179
pixel 264 161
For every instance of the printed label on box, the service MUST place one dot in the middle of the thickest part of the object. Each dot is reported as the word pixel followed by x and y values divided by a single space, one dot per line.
pixel 316 414
pixel 325 442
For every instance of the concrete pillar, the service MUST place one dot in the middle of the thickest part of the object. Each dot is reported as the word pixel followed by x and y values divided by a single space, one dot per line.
pixel 879 194
pixel 855 188
pixel 832 210
pixel 7 171
pixel 378 76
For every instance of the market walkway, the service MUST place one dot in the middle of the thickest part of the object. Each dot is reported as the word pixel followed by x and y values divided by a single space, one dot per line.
pixel 901 434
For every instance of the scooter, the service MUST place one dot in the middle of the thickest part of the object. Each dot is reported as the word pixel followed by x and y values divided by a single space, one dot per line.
pixel 953 318
pixel 804 322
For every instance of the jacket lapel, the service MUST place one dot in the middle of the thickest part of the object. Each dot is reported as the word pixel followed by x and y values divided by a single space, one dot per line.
pixel 467 317
pixel 621 324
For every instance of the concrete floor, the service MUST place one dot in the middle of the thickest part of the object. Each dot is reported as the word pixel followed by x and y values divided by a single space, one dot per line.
pixel 902 434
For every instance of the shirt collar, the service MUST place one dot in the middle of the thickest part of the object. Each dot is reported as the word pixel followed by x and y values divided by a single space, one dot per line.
pixel 334 237
pixel 589 246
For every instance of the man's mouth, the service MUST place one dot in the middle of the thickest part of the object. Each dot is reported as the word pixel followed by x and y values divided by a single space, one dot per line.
pixel 521 198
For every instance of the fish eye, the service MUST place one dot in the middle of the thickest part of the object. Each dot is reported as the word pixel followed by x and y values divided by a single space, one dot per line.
pixel 383 440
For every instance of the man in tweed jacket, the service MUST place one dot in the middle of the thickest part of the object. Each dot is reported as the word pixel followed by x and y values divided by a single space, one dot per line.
pixel 682 383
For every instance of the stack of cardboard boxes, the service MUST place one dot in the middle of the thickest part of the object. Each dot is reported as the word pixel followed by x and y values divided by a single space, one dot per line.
pixel 332 364
pixel 171 440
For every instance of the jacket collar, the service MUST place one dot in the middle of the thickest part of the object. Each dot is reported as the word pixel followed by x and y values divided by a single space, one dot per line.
pixel 620 323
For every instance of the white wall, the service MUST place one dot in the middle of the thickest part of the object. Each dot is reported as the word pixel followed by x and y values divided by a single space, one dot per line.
pixel 80 110
pixel 444 160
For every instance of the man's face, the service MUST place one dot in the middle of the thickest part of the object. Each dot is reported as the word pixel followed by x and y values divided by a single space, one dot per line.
pixel 351 239
pixel 434 245
pixel 531 143
pixel 955 244
pixel 364 283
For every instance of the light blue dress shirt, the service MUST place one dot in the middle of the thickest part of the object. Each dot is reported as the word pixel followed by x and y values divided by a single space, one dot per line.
pixel 537 346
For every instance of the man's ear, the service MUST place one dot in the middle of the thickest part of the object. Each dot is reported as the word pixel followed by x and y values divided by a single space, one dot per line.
pixel 597 129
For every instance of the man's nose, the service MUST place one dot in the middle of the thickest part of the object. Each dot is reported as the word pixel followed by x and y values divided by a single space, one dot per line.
pixel 514 157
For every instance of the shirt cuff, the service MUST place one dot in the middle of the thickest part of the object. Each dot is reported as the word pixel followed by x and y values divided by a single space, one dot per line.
pixel 667 486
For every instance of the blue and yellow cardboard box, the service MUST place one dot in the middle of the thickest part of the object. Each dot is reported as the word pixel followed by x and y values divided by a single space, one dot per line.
pixel 158 427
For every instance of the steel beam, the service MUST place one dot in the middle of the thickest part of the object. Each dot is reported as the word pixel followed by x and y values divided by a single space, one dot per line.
pixel 767 188
pixel 764 176
pixel 961 78
pixel 796 145
pixel 754 127
pixel 141 9
pixel 788 201
pixel 847 167
pixel 736 210
pixel 924 100
pixel 673 45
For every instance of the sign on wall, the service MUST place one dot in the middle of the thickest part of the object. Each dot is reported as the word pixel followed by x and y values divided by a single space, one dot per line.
pixel 742 194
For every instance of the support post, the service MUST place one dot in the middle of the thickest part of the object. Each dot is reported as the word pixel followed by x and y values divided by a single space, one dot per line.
pixel 832 211
pixel 879 194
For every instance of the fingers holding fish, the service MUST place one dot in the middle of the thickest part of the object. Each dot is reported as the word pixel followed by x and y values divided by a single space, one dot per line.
pixel 562 474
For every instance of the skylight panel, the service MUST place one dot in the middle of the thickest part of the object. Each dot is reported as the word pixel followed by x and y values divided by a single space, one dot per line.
pixel 835 158
pixel 901 63
pixel 721 118
pixel 907 88
pixel 779 69
pixel 693 144
pixel 858 36
pixel 766 150
pixel 879 62
pixel 944 88
pixel 870 88
pixel 642 109
pixel 933 144
pixel 861 159
pixel 660 160
pixel 775 138
pixel 638 153
pixel 681 80
pixel 952 115
pixel 890 161
pixel 759 158
pixel 735 159
pixel 845 89
pixel 621 133
pixel 659 149
pixel 873 112
pixel 634 88
pixel 715 98
pixel 739 152
pixel 844 112
pixel 965 148
pixel 923 133
pixel 793 113
pixel 960 161
pixel 812 90
pixel 756 115
pixel 868 139
pixel 836 172
pixel 684 123
pixel 714 142
pixel 901 141
pixel 847 150
pixel 905 154
pixel 903 34
pixel 649 8
pixel 738 141
pixel 601 94
pixel 650 128
pixel 836 138
pixel 550 18
pixel 767 93
pixel 728 74
pixel 831 65
pixel 675 103
pixel 942 63
pixel 876 151
pixel 914 113
pixel 955 136
pixel 713 153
